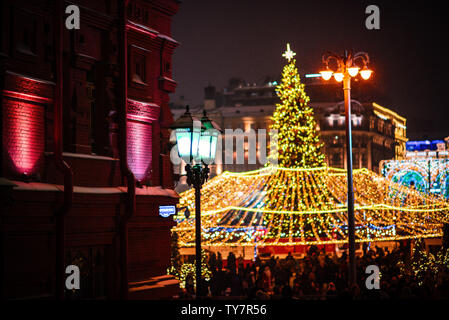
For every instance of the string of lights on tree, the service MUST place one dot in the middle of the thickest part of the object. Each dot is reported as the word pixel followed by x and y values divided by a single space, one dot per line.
pixel 301 201
pixel 425 267
pixel 299 144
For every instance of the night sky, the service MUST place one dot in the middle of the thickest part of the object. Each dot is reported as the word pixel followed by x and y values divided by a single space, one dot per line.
pixel 224 39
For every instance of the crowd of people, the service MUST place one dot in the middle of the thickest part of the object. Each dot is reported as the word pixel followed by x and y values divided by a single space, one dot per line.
pixel 316 276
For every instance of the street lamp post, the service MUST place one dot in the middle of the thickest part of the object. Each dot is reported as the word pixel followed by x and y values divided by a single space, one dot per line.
pixel 347 68
pixel 197 145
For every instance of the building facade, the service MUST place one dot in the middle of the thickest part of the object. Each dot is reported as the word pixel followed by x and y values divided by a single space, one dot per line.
pixel 378 132
pixel 85 148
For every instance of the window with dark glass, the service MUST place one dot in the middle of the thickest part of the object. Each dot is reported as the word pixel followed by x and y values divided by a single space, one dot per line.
pixel 139 74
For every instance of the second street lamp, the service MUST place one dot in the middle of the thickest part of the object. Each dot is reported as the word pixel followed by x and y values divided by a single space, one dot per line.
pixel 347 68
pixel 197 145
pixel 208 140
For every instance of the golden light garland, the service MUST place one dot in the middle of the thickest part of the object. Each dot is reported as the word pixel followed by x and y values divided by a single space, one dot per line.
pixel 237 209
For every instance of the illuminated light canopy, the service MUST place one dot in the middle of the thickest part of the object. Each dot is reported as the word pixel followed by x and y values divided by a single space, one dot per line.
pixel 277 206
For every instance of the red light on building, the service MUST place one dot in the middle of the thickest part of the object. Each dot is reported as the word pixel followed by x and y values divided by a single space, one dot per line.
pixel 139 136
pixel 25 139
pixel 139 139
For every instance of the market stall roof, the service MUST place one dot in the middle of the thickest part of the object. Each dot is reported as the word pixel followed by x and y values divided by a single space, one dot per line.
pixel 298 206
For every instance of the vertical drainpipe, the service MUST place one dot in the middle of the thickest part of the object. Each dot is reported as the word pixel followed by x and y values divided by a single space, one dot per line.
pixel 130 180
pixel 61 165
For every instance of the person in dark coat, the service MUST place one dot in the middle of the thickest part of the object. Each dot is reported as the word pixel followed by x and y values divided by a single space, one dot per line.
pixel 231 262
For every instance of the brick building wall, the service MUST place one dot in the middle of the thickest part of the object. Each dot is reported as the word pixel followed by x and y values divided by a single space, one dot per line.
pixel 91 128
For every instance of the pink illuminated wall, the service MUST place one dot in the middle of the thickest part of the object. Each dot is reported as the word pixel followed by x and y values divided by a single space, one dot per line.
pixel 140 115
pixel 139 137
pixel 23 135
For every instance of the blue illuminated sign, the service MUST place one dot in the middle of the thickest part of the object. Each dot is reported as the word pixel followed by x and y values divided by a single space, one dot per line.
pixel 166 211
pixel 422 145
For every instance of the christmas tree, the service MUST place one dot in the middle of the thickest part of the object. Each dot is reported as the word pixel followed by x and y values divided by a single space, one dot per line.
pixel 189 269
pixel 176 263
pixel 422 263
pixel 299 147
pixel 298 140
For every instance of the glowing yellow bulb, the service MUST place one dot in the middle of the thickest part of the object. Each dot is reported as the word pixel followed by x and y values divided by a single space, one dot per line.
pixel 366 73
pixel 338 76
pixel 326 74
pixel 353 71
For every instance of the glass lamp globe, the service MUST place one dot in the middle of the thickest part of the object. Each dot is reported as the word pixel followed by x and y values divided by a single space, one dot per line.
pixel 353 71
pixel 326 74
pixel 366 73
pixel 208 140
pixel 338 76
pixel 188 133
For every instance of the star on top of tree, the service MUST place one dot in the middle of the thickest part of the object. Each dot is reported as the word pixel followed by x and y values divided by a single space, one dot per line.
pixel 288 54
